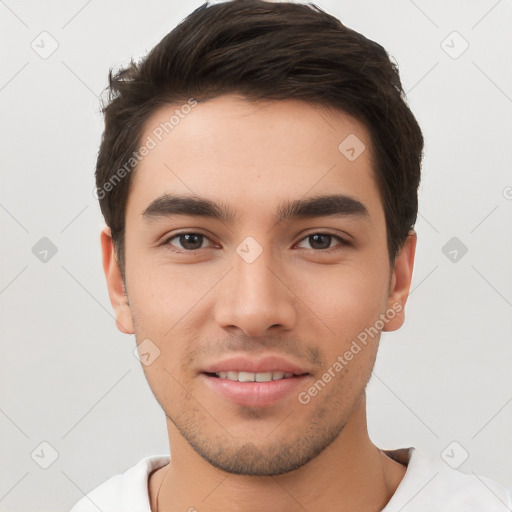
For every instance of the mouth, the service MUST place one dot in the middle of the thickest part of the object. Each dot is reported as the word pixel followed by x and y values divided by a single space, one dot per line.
pixel 254 383
pixel 239 376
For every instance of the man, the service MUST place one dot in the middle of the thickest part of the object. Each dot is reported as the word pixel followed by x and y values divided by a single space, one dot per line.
pixel 258 176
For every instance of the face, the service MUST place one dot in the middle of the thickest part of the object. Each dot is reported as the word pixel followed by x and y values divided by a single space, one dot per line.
pixel 257 278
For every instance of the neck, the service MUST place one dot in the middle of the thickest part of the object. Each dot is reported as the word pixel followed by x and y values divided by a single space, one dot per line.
pixel 351 472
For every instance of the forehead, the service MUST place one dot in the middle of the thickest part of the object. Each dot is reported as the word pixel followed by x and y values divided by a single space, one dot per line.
pixel 250 155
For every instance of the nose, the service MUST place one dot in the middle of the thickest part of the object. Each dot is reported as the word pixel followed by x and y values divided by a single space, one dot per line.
pixel 255 297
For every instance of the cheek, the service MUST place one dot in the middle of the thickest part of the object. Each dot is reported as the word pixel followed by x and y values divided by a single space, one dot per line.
pixel 345 299
pixel 162 295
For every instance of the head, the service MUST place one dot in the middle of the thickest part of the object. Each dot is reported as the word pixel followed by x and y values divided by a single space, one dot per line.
pixel 258 175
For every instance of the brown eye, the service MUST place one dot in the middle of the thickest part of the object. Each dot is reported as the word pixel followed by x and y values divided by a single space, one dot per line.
pixel 320 241
pixel 323 241
pixel 187 241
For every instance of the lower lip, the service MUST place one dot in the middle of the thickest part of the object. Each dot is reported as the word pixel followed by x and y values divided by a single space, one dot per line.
pixel 254 394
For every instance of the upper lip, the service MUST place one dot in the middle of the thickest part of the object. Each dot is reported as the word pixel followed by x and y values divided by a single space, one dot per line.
pixel 260 365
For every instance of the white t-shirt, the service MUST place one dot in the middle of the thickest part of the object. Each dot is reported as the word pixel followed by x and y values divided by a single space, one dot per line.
pixel 429 485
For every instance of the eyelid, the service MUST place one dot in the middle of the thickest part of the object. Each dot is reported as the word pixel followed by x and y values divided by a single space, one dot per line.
pixel 326 231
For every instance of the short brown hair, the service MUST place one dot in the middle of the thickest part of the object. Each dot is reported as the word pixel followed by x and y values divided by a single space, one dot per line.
pixel 265 50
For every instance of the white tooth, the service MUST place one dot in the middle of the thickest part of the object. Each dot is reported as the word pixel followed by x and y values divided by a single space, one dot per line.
pixel 246 376
pixel 254 377
pixel 263 377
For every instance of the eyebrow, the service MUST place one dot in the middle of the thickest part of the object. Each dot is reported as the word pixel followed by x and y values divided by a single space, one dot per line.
pixel 334 205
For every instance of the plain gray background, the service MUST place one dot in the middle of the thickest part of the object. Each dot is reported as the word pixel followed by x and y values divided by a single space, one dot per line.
pixel 70 379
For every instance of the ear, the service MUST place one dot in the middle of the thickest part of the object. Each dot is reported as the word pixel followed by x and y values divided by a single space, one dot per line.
pixel 115 285
pixel 400 283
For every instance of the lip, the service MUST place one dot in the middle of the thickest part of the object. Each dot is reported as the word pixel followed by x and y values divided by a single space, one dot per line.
pixel 261 365
pixel 254 394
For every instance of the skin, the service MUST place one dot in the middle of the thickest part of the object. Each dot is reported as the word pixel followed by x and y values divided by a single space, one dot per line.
pixel 295 300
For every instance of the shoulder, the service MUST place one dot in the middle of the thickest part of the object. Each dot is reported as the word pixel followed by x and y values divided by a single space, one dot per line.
pixel 431 484
pixel 126 491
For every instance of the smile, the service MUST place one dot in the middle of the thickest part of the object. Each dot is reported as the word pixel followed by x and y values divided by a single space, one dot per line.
pixel 253 377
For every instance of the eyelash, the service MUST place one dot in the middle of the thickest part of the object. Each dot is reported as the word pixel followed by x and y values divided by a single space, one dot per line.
pixel 342 242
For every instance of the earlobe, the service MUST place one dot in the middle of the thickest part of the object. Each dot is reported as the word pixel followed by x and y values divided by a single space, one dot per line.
pixel 400 283
pixel 115 284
